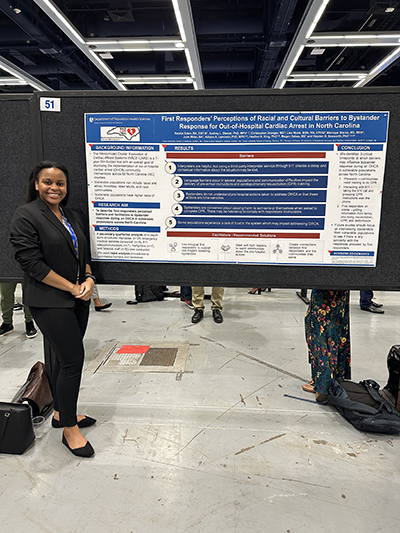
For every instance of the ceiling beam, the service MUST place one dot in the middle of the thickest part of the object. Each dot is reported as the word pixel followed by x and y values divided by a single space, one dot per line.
pixel 91 47
pixel 276 39
pixel 46 39
pixel 380 67
pixel 58 17
pixel 21 75
pixel 184 19
pixel 304 31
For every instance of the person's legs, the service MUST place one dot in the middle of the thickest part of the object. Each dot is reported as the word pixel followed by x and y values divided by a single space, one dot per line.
pixel 30 329
pixel 52 370
pixel 186 293
pixel 28 314
pixel 7 301
pixel 64 330
pixel 216 297
pixel 95 293
pixel 366 298
pixel 198 297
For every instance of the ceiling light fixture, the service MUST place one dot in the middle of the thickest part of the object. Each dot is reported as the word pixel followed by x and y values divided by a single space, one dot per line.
pixel 135 45
pixel 179 20
pixel 335 75
pixel 295 80
pixel 136 41
pixel 184 18
pixel 296 57
pixel 22 77
pixel 49 7
pixel 389 10
pixel 58 17
pixel 132 49
pixel 155 80
pixel 12 81
pixel 189 62
pixel 316 19
pixel 305 29
pixel 383 63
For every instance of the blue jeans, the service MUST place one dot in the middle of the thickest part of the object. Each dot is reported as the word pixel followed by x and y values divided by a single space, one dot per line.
pixel 366 299
pixel 186 293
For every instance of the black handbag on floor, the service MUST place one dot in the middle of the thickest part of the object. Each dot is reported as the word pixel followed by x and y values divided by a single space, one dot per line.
pixel 16 430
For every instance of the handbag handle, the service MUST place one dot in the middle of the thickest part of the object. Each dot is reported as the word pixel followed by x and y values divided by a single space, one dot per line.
pixel 7 417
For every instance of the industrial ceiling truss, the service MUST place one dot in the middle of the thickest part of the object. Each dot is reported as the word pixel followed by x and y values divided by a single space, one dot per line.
pixel 197 44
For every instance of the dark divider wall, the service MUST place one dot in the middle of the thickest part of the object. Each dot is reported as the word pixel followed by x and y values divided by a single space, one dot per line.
pixel 63 140
pixel 17 154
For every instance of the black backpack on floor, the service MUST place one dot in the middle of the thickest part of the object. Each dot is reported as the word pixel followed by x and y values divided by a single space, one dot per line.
pixel 364 407
pixel 149 293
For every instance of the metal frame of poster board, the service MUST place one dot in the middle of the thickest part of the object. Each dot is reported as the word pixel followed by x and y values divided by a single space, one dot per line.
pixel 62 138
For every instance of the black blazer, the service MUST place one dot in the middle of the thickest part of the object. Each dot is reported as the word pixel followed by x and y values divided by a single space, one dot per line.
pixel 41 243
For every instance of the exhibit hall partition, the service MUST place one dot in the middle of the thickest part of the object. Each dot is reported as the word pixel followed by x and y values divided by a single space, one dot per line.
pixel 19 149
pixel 255 188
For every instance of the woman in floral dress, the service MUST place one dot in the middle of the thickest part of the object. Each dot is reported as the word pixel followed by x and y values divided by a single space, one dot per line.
pixel 327 325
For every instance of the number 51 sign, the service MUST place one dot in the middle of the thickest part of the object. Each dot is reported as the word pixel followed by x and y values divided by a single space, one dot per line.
pixel 50 104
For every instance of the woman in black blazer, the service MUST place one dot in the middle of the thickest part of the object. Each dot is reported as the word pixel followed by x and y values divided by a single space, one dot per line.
pixel 51 248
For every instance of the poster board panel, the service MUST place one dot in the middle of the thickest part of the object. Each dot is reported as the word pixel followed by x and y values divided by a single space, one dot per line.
pixel 16 159
pixel 67 126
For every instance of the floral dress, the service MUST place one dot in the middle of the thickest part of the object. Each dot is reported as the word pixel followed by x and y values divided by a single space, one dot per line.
pixel 327 325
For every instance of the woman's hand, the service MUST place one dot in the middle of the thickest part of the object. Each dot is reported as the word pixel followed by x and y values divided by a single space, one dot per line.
pixel 86 289
pixel 76 290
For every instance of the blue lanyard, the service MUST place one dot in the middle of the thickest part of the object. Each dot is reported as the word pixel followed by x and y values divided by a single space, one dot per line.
pixel 71 231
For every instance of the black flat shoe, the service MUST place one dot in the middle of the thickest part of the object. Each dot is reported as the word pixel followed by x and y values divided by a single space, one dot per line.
pixel 102 307
pixel 85 451
pixel 84 423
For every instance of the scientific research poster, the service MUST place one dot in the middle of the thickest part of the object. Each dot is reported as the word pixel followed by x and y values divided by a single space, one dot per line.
pixel 254 187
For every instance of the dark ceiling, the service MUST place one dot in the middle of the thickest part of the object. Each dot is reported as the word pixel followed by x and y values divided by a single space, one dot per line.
pixel 238 43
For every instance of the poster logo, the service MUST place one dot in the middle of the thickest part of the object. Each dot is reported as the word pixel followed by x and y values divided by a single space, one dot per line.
pixel 126 133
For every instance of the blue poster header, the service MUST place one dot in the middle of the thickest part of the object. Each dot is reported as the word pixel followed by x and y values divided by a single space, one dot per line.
pixel 254 127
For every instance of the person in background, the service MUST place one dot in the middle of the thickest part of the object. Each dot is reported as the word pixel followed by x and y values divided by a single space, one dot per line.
pixel 51 248
pixel 366 303
pixel 7 309
pixel 186 296
pixel 96 300
pixel 216 304
pixel 327 328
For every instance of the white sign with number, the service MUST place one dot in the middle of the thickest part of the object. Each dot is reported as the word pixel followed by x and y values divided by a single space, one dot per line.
pixel 50 104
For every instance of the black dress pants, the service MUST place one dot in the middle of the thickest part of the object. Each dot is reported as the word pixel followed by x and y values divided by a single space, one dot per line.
pixel 63 331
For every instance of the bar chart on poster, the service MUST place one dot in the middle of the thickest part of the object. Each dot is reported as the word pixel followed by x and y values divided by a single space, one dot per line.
pixel 284 188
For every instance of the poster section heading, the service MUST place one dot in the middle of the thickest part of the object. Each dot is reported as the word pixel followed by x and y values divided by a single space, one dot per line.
pixel 258 188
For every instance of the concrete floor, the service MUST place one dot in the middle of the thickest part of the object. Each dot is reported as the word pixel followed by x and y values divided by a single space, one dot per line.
pixel 235 445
